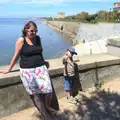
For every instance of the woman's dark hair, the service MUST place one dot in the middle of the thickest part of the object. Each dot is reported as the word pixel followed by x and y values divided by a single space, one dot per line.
pixel 27 26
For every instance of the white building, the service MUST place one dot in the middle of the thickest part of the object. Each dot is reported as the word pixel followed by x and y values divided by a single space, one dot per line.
pixel 60 15
pixel 116 6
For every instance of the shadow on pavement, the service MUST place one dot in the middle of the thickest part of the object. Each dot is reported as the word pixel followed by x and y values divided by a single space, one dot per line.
pixel 100 106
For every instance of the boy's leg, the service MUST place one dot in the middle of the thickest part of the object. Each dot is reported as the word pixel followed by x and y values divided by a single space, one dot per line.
pixel 70 98
pixel 68 93
pixel 68 89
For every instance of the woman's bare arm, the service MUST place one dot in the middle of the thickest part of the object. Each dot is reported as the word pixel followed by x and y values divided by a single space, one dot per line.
pixel 18 47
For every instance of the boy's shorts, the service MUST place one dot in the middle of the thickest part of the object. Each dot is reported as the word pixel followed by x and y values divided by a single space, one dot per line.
pixel 68 82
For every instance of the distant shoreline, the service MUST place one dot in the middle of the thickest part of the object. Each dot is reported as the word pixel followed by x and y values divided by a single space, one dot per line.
pixel 61 28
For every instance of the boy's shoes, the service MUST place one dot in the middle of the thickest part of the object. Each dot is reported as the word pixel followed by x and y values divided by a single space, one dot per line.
pixel 72 100
pixel 78 98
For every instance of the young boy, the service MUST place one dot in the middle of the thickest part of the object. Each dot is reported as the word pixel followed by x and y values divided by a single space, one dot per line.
pixel 69 72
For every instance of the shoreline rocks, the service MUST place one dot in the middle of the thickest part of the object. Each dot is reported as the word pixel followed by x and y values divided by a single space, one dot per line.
pixel 69 28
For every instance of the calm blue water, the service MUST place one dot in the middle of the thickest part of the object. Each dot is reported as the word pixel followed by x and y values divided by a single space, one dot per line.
pixel 54 43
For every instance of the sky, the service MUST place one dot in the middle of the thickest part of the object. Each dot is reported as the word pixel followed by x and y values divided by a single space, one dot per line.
pixel 47 8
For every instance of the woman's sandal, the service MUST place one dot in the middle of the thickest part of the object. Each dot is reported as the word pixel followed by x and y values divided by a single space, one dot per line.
pixel 52 111
pixel 44 117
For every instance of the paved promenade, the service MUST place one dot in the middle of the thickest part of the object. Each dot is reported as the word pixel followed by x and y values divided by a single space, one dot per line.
pixel 101 105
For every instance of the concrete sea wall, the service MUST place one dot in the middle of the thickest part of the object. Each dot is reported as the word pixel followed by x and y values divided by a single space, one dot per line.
pixel 89 71
pixel 71 28
pixel 88 32
pixel 94 35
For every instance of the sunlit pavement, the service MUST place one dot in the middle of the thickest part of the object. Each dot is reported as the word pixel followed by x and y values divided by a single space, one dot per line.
pixel 95 105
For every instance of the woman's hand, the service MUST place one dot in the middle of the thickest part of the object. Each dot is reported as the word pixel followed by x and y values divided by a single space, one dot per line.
pixel 4 71
pixel 47 64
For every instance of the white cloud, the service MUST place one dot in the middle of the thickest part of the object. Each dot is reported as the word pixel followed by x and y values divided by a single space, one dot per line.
pixel 47 1
pixel 31 1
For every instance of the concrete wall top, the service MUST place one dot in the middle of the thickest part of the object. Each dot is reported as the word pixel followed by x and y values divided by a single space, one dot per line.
pixel 56 67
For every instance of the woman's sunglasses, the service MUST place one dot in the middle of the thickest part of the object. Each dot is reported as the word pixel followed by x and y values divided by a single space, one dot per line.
pixel 32 31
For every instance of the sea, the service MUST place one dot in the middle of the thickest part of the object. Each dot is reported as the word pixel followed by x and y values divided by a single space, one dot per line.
pixel 54 42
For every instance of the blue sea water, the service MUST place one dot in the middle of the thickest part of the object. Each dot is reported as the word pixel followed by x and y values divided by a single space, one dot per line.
pixel 54 43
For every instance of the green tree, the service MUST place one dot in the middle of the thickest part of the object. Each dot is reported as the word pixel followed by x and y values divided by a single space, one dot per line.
pixel 82 16
pixel 102 15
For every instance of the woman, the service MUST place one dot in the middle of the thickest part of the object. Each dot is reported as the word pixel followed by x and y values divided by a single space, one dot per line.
pixel 33 71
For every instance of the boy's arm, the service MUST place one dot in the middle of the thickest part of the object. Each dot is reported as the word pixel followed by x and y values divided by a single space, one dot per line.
pixel 64 60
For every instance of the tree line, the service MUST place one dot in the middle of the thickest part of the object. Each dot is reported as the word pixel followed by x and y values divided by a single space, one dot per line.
pixel 100 16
